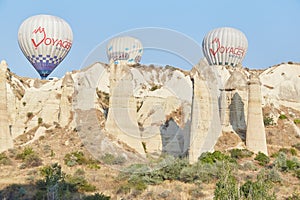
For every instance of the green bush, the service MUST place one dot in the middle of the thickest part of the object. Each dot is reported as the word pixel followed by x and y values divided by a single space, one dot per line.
pixel 297 146
pixel 262 188
pixel 29 115
pixel 97 196
pixel 155 87
pixel 52 174
pixel 280 161
pixel 4 160
pixel 268 121
pixel 240 153
pixel 29 158
pixel 79 182
pixel 78 158
pixel 59 185
pixel 211 158
pixel 297 173
pixel 274 176
pixel 227 186
pixel 282 116
pixel 297 121
pixel 262 159
pixel 110 159
pixel 40 120
pixel 293 152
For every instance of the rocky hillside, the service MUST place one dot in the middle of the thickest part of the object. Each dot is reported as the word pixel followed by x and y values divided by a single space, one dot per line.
pixel 124 115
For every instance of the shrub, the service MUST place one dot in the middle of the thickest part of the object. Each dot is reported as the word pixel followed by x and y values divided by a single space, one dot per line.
pixel 29 115
pixel 282 116
pixel 274 176
pixel 155 87
pixel 97 196
pixel 280 161
pixel 297 173
pixel 248 166
pixel 52 174
pixel 4 160
pixel 297 121
pixel 240 153
pixel 268 121
pixel 227 186
pixel 293 152
pixel 260 189
pixel 297 146
pixel 211 158
pixel 79 182
pixel 110 159
pixel 53 185
pixel 40 120
pixel 262 159
pixel 172 170
pixel 78 158
pixel 29 157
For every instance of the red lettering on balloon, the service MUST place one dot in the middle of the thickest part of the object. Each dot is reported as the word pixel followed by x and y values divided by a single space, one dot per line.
pixel 233 51
pixel 49 40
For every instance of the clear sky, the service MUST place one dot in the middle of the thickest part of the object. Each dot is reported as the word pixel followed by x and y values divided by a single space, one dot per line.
pixel 272 27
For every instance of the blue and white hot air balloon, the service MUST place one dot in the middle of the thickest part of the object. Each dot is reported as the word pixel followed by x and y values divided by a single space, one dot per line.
pixel 45 40
pixel 124 49
pixel 225 46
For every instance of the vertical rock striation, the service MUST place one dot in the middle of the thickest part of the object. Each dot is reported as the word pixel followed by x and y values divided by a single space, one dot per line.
pixel 255 136
pixel 6 141
pixel 205 125
pixel 65 105
pixel 122 113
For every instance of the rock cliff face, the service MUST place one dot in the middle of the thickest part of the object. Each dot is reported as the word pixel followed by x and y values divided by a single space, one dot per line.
pixel 134 111
pixel 5 134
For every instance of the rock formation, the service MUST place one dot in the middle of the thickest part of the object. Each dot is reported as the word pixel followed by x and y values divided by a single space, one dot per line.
pixel 147 109
pixel 6 141
pixel 65 105
pixel 122 115
pixel 255 136
pixel 205 124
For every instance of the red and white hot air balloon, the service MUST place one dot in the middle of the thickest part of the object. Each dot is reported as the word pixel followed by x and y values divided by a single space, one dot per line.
pixel 225 46
pixel 45 40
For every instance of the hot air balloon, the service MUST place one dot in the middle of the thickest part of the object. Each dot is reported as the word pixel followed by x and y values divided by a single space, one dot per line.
pixel 125 49
pixel 45 40
pixel 224 46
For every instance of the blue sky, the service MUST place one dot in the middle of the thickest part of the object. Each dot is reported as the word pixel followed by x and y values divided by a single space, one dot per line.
pixel 272 27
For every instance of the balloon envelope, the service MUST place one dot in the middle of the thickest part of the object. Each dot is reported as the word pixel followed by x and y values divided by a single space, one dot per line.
pixel 224 46
pixel 45 40
pixel 124 49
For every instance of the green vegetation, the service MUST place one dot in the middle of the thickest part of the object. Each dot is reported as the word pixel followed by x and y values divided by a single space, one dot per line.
pixel 29 157
pixel 154 87
pixel 236 174
pixel 297 121
pixel 262 188
pixel 58 185
pixel 297 146
pixel 240 153
pixel 268 121
pixel 262 159
pixel 4 160
pixel 282 116
pixel 78 158
pixel 29 115
pixel 97 196
pixel 40 120
pixel 211 158
pixel 110 159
